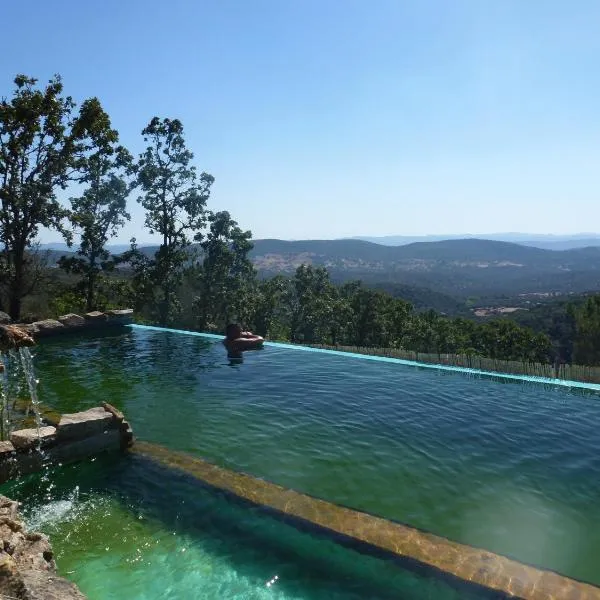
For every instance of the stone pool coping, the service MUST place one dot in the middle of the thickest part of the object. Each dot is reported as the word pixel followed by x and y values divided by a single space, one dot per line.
pixel 418 549
pixel 400 361
pixel 75 323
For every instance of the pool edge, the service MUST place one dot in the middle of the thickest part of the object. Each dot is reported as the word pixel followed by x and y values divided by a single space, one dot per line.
pixel 564 383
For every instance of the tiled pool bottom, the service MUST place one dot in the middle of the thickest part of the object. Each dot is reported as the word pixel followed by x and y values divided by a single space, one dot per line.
pixel 134 529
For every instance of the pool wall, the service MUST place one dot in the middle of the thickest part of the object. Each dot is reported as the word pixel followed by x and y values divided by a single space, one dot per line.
pixel 412 548
pixel 399 361
pixel 78 436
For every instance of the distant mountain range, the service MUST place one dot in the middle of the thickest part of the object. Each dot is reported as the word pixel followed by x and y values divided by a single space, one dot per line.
pixel 545 241
pixel 459 268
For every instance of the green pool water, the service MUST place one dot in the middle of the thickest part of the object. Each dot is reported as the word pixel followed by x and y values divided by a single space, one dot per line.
pixel 132 529
pixel 510 467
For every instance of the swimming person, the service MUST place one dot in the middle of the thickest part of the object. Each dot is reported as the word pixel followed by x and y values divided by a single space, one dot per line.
pixel 237 341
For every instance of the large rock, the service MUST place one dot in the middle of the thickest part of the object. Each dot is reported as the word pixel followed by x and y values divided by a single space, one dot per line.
pixel 6 448
pixel 72 320
pixel 29 328
pixel 12 336
pixel 74 450
pixel 95 316
pixel 4 318
pixel 122 316
pixel 48 327
pixel 29 438
pixel 27 567
pixel 84 424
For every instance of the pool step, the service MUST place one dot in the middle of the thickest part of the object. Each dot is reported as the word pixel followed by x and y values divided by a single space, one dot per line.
pixel 414 548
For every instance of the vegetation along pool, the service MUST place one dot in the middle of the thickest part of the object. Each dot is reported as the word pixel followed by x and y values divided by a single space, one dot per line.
pixel 510 467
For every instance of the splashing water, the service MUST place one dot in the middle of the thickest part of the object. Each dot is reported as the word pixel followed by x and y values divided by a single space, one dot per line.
pixel 18 383
pixel 32 383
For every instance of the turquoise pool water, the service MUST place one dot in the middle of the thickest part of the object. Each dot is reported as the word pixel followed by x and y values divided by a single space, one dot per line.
pixel 514 468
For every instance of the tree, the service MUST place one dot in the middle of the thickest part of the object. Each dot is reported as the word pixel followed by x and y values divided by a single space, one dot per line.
pixel 311 303
pixel 43 146
pixel 175 201
pixel 269 314
pixel 97 215
pixel 226 277
pixel 587 337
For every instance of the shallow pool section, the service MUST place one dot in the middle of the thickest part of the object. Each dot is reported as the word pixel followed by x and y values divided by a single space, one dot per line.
pixel 132 529
pixel 513 468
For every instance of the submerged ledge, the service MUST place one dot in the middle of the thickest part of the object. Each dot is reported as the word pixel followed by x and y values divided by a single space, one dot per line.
pixel 458 563
pixel 566 383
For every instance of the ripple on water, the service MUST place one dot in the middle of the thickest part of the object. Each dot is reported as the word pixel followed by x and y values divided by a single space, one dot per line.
pixel 512 467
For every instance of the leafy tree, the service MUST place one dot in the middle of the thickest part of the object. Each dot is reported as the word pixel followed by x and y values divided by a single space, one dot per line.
pixel 311 303
pixel 226 276
pixel 97 215
pixel 270 315
pixel 44 144
pixel 587 336
pixel 174 197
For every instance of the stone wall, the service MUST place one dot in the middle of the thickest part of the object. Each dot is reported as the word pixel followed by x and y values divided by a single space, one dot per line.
pixel 73 323
pixel 27 567
pixel 76 437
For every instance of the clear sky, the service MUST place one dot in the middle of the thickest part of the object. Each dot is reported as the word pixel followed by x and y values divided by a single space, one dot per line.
pixel 324 119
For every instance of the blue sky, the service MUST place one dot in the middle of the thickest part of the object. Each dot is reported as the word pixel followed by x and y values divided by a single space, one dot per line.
pixel 324 119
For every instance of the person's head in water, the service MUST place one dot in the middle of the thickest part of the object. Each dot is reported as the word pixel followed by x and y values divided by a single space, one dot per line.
pixel 233 331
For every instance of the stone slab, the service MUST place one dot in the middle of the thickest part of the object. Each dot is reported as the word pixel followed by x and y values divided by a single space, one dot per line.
pixel 84 424
pixel 48 327
pixel 115 412
pixel 12 336
pixel 25 439
pixel 4 318
pixel 6 447
pixel 120 312
pixel 80 449
pixel 29 328
pixel 95 316
pixel 72 320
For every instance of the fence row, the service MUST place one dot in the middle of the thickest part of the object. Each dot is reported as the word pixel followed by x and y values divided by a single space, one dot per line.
pixel 563 371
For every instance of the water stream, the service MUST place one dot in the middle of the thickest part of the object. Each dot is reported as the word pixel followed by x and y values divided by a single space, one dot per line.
pixel 18 392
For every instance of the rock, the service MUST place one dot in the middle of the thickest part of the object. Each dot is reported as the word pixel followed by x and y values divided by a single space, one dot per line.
pixel 126 434
pixel 28 438
pixel 72 320
pixel 49 327
pixel 84 448
pixel 4 318
pixel 29 328
pixel 121 312
pixel 12 336
pixel 84 424
pixel 115 412
pixel 95 315
pixel 27 567
pixel 6 448
pixel 120 317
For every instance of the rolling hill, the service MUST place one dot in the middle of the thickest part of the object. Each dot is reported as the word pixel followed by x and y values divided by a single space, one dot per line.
pixel 462 268
pixel 454 269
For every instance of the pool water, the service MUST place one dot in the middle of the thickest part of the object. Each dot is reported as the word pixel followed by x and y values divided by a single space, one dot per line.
pixel 513 468
pixel 132 529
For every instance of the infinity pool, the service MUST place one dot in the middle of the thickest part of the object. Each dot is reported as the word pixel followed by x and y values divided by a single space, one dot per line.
pixel 513 468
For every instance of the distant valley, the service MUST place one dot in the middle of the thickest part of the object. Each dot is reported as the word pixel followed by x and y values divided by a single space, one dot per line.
pixel 437 274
